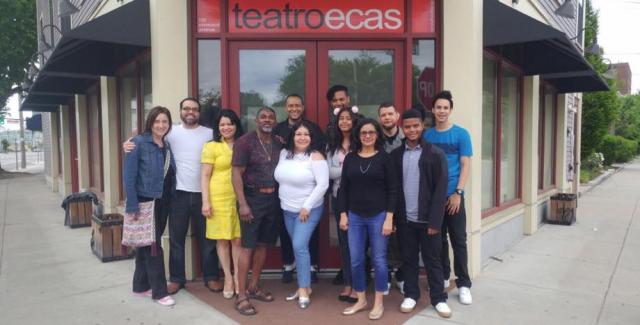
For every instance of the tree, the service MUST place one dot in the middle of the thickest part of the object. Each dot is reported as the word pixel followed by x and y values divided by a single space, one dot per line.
pixel 599 109
pixel 17 44
pixel 628 121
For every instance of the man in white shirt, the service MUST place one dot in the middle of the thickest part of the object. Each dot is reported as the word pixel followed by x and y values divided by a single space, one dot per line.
pixel 186 141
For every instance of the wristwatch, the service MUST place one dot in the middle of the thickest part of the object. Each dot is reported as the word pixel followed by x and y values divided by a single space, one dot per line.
pixel 459 191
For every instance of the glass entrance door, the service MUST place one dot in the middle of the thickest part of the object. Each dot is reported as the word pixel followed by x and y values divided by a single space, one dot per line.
pixel 264 73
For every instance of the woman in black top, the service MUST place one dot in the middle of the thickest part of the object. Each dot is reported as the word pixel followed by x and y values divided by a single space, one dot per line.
pixel 367 198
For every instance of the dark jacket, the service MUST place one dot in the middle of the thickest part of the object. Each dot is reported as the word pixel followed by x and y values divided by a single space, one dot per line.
pixel 283 132
pixel 432 192
pixel 143 173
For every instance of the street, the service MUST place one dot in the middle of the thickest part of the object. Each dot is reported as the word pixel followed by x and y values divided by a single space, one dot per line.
pixel 8 160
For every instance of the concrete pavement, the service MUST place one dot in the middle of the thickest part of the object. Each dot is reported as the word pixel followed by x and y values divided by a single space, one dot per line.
pixel 587 273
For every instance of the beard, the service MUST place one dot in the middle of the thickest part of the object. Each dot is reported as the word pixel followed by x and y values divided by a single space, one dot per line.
pixel 189 120
pixel 266 128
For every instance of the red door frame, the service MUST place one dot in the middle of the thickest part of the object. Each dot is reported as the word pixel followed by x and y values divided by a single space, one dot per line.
pixel 316 85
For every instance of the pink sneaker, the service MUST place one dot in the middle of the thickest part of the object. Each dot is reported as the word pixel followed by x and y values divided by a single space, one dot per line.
pixel 166 301
pixel 143 294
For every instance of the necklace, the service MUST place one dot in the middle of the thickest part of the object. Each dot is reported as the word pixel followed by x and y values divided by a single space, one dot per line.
pixel 365 170
pixel 265 149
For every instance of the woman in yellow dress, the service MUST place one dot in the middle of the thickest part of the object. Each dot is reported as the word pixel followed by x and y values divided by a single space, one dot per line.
pixel 218 197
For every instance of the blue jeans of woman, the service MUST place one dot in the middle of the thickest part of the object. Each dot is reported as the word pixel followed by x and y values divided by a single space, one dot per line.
pixel 361 228
pixel 300 233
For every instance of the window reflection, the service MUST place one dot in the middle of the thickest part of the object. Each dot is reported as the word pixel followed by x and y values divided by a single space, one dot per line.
pixel 281 72
pixel 367 73
pixel 510 135
pixel 424 77
pixel 209 79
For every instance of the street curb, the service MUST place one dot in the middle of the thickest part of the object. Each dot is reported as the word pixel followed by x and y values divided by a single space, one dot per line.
pixel 598 180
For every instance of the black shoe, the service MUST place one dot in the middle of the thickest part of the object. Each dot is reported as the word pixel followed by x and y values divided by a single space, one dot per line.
pixel 338 279
pixel 314 276
pixel 287 276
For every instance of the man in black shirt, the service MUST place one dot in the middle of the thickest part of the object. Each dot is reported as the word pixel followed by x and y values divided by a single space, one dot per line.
pixel 393 138
pixel 295 114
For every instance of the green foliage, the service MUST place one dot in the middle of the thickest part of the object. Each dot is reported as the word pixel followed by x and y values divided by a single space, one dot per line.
pixel 628 122
pixel 594 162
pixel 599 109
pixel 17 43
pixel 618 149
pixel 5 145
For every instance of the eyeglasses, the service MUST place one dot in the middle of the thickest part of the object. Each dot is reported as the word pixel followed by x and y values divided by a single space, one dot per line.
pixel 191 109
pixel 368 133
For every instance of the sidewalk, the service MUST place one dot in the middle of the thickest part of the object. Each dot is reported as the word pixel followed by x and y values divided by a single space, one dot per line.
pixel 48 274
pixel 583 274
pixel 587 273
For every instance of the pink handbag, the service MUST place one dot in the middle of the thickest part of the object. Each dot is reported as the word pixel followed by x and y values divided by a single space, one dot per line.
pixel 139 229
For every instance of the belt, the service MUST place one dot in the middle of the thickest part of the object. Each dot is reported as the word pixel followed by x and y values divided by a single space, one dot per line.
pixel 267 190
pixel 261 190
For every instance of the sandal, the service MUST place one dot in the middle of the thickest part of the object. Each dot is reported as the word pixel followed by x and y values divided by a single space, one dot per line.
pixel 258 294
pixel 248 309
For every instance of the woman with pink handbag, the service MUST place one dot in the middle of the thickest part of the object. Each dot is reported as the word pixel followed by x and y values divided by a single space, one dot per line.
pixel 149 181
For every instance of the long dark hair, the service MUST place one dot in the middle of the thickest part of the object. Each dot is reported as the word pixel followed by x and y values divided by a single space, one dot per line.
pixel 231 115
pixel 335 137
pixel 379 145
pixel 153 115
pixel 290 145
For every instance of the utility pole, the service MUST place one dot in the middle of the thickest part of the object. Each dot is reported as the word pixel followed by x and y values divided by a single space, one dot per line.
pixel 23 155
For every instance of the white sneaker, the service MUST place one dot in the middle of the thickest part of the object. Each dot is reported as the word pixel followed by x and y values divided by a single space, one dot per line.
pixel 166 301
pixel 464 294
pixel 400 286
pixel 386 292
pixel 446 284
pixel 407 305
pixel 443 309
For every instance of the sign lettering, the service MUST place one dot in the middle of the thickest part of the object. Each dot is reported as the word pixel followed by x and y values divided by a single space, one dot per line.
pixel 290 16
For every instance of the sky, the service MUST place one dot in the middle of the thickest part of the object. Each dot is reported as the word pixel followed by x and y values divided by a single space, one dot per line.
pixel 618 35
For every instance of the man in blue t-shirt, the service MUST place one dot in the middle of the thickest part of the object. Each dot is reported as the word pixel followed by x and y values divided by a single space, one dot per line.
pixel 456 144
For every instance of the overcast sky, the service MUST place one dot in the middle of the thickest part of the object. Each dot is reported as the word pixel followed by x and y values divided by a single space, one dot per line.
pixel 619 37
pixel 619 34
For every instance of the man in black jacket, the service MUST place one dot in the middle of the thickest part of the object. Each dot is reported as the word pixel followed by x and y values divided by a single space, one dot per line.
pixel 420 208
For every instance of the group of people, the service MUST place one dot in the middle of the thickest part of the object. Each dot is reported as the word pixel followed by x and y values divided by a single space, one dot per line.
pixel 396 192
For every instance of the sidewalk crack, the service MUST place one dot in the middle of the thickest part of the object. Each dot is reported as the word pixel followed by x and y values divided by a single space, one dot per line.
pixel 615 267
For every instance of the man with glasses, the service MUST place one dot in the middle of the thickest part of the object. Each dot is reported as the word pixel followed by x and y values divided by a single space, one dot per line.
pixel 186 141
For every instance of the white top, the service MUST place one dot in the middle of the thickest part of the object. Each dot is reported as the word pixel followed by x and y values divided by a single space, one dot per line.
pixel 335 160
pixel 302 181
pixel 186 145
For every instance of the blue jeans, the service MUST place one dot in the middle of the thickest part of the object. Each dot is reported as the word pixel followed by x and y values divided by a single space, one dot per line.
pixel 359 229
pixel 300 233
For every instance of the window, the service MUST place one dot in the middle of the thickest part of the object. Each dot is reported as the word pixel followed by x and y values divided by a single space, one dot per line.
pixel 135 96
pixel 209 83
pixel 95 139
pixel 424 76
pixel 501 136
pixel 547 122
pixel 135 100
pixel 489 95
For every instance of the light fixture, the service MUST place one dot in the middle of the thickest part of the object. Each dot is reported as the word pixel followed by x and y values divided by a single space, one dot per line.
pixel 567 9
pixel 66 8
pixel 46 46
